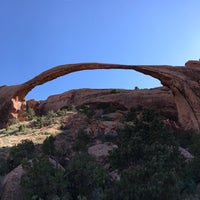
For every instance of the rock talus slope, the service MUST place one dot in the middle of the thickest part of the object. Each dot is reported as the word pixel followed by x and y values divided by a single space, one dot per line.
pixel 183 81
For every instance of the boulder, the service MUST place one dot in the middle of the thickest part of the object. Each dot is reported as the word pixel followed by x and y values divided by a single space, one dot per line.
pixel 11 188
pixel 101 151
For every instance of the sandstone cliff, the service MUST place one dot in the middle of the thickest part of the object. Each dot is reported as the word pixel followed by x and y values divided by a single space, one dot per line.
pixel 159 98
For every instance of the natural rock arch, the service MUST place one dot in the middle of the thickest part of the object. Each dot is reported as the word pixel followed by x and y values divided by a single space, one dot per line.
pixel 182 81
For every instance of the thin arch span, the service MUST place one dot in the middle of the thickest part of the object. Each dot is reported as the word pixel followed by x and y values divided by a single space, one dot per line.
pixel 67 69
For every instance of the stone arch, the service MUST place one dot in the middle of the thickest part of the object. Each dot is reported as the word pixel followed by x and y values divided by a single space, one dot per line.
pixel 182 81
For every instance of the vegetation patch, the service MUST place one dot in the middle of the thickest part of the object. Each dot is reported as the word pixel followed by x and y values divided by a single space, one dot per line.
pixel 147 161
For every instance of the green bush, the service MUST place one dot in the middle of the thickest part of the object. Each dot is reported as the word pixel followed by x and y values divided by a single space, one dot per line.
pixel 188 139
pixel 61 112
pixel 82 139
pixel 48 146
pixel 131 115
pixel 13 121
pixel 82 179
pixel 147 161
pixel 150 163
pixel 63 127
pixel 86 178
pixel 45 120
pixel 30 114
pixel 184 138
pixel 87 110
pixel 51 114
pixel 114 91
pixel 39 122
pixel 22 128
pixel 24 150
pixel 43 181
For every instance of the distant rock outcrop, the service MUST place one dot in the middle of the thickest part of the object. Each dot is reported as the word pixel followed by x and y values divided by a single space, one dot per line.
pixel 159 98
pixel 184 83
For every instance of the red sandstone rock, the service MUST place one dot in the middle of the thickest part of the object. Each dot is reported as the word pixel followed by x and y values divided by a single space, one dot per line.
pixel 182 81
pixel 159 98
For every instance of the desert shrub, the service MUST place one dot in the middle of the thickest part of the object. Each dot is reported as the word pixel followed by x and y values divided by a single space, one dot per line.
pixel 188 139
pixel 48 146
pixel 131 115
pixel 136 88
pixel 39 122
pixel 83 178
pixel 191 141
pixel 24 150
pixel 150 163
pixel 144 182
pixel 43 181
pixel 30 114
pixel 87 110
pixel 11 122
pixel 147 160
pixel 195 169
pixel 184 138
pixel 195 144
pixel 110 108
pixel 45 120
pixel 51 114
pixel 114 91
pixel 22 128
pixel 86 178
pixel 64 127
pixel 61 112
pixel 106 137
pixel 46 133
pixel 82 139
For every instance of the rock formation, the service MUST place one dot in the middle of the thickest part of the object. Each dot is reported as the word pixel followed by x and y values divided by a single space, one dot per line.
pixel 182 81
pixel 120 99
pixel 11 188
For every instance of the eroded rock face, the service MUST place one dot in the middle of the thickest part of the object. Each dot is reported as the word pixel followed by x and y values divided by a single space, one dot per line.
pixel 159 98
pixel 182 81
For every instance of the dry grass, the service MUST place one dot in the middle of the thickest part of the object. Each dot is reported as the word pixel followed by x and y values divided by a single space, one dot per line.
pixel 13 135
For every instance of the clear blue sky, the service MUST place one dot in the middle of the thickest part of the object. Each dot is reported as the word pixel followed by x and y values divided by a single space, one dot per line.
pixel 36 35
